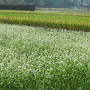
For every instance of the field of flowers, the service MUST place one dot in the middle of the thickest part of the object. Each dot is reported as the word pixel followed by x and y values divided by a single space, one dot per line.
pixel 57 20
pixel 43 59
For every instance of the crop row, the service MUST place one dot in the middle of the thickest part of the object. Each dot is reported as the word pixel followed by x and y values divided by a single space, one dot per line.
pixel 50 21
pixel 46 13
pixel 63 9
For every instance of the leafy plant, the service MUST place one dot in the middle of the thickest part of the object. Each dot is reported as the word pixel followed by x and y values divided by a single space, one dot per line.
pixel 43 59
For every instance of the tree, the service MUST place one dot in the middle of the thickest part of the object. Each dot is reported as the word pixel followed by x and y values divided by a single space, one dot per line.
pixel 88 5
pixel 68 3
pixel 11 1
pixel 81 4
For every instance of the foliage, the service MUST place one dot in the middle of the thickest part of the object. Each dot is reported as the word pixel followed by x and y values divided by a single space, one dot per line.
pixel 43 59
pixel 88 5
pixel 62 3
pixel 64 21
pixel 65 12
pixel 11 2
pixel 50 3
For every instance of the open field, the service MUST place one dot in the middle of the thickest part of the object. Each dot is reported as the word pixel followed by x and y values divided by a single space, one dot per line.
pixel 43 59
pixel 46 58
pixel 65 10
pixel 46 13
pixel 69 21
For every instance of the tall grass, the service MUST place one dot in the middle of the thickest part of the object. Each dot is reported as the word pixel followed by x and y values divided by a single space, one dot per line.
pixel 43 59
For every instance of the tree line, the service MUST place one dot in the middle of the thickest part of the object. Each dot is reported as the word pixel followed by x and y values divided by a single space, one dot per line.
pixel 61 3
pixel 80 4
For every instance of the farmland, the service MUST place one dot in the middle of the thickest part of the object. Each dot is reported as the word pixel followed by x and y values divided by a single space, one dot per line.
pixel 57 20
pixel 43 59
pixel 44 50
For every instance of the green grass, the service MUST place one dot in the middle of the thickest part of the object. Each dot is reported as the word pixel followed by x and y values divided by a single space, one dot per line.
pixel 46 13
pixel 66 21
pixel 65 10
pixel 43 59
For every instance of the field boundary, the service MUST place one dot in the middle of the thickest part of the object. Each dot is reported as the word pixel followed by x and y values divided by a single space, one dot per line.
pixel 47 20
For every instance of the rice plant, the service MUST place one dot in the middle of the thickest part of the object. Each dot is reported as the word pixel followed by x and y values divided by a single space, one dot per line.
pixel 67 21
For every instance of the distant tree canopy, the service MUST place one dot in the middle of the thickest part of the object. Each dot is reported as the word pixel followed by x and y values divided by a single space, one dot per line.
pixel 63 3
pixel 88 4
pixel 11 2
pixel 52 3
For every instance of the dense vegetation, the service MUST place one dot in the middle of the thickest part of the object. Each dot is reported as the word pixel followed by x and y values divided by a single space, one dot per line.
pixel 70 12
pixel 69 21
pixel 11 2
pixel 79 4
pixel 43 59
